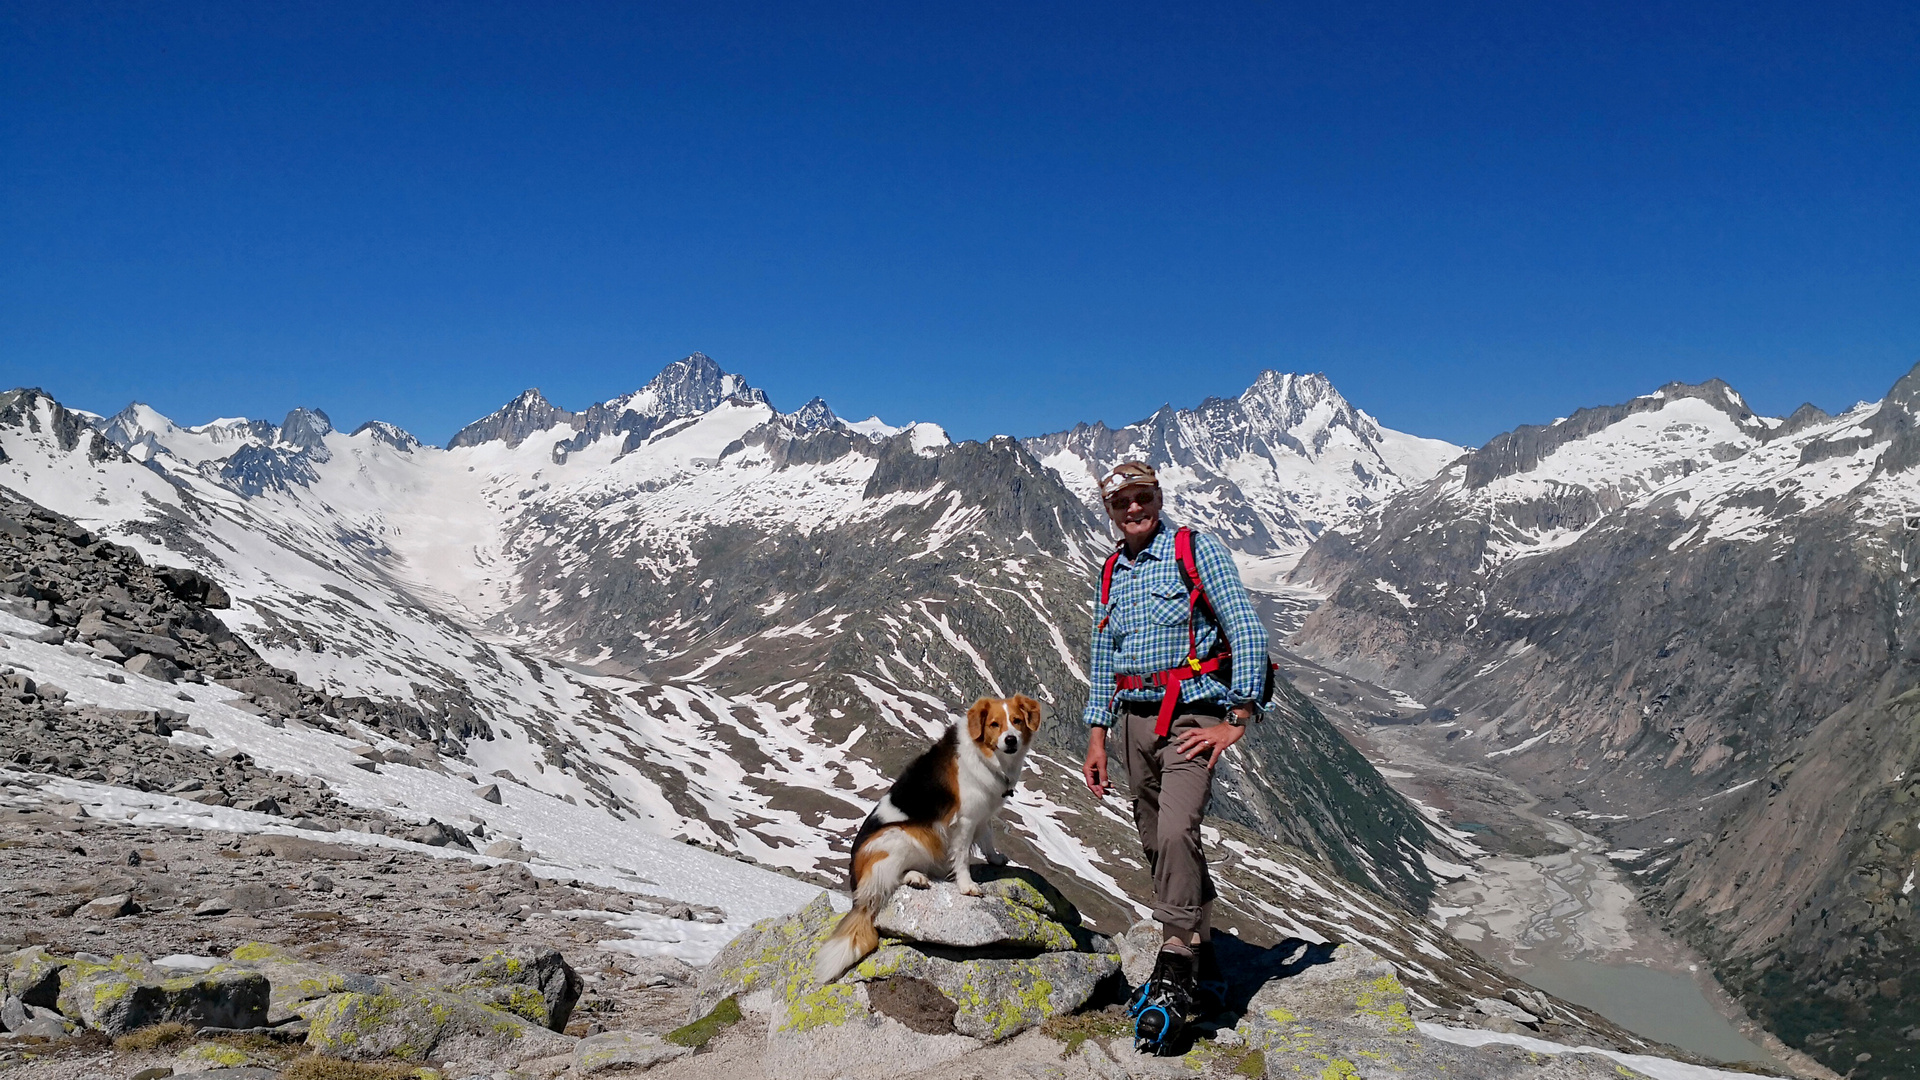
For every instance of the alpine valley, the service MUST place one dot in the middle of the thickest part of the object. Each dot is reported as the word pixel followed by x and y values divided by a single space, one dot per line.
pixel 1670 627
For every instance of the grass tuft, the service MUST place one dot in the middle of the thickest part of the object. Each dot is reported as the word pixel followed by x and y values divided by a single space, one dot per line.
pixel 317 1067
pixel 1076 1028
pixel 153 1038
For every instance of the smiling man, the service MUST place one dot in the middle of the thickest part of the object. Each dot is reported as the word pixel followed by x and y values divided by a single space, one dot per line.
pixel 1172 615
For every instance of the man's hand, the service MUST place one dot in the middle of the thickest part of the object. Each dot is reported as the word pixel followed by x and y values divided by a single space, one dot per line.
pixel 1196 741
pixel 1095 767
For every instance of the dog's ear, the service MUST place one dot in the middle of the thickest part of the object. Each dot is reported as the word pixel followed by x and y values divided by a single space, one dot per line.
pixel 977 719
pixel 1026 713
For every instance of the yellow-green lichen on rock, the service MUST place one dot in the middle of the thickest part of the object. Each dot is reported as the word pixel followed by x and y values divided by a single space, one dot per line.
pixel 295 983
pixel 537 985
pixel 123 994
pixel 33 976
pixel 411 1023
pixel 1385 1000
pixel 257 952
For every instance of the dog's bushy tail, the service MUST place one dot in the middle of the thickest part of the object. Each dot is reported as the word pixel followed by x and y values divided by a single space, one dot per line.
pixel 881 862
pixel 849 944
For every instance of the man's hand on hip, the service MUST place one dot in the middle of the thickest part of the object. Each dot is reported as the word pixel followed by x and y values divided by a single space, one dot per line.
pixel 1207 740
pixel 1095 767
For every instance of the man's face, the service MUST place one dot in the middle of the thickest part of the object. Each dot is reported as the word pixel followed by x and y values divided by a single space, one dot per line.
pixel 1136 510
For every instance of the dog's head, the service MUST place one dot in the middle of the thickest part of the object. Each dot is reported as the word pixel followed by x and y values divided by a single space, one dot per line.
pixel 1003 725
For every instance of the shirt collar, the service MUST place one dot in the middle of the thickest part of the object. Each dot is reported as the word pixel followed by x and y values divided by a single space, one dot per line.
pixel 1159 548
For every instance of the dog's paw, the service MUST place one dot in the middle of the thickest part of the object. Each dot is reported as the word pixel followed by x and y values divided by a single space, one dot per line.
pixel 997 859
pixel 916 879
pixel 970 889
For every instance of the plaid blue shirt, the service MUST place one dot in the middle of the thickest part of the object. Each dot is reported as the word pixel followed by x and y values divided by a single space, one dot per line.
pixel 1145 626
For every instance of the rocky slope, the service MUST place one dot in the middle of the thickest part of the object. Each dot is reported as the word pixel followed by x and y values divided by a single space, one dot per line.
pixel 1690 628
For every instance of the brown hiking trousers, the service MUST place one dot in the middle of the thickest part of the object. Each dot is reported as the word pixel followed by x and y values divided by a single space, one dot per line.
pixel 1170 796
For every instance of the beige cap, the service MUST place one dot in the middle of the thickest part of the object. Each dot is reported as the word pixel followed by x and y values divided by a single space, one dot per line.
pixel 1126 475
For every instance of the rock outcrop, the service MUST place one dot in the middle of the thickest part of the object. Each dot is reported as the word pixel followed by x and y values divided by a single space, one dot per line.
pixel 952 973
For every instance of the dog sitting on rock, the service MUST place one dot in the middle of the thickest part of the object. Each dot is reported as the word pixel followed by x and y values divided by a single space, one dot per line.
pixel 931 819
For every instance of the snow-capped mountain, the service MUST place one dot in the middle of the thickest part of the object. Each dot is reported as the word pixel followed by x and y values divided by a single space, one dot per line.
pixel 1693 628
pixel 1267 471
pixel 679 607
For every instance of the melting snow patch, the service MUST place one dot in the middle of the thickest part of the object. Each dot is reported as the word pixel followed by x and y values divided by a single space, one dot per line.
pixel 1406 701
pixel 1444 869
pixel 1383 586
pixel 1523 746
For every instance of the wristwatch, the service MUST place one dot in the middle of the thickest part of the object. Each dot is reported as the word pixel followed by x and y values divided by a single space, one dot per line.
pixel 1239 720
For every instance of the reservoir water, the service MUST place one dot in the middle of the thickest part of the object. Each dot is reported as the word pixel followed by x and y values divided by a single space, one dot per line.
pixel 1663 1005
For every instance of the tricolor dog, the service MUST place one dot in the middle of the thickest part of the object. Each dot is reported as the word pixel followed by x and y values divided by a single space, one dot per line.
pixel 930 820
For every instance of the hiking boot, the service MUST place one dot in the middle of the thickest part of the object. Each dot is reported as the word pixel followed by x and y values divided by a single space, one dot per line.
pixel 1209 983
pixel 1160 1008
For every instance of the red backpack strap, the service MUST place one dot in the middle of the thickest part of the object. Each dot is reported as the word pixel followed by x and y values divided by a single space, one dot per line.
pixel 1196 594
pixel 1189 568
pixel 1106 576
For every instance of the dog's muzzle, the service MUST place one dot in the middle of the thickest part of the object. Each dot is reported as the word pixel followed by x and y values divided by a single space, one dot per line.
pixel 1010 744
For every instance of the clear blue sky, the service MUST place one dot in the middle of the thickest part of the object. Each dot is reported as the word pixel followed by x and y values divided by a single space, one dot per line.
pixel 1002 218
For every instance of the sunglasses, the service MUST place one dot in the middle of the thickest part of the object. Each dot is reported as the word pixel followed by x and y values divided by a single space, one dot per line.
pixel 1123 501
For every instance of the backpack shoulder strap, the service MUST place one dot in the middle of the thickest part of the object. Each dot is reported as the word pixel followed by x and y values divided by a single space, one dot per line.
pixel 1106 576
pixel 1189 567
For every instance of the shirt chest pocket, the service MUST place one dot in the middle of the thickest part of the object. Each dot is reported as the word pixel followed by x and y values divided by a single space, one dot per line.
pixel 1167 607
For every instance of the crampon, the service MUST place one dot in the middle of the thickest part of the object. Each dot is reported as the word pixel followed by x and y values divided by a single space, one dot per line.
pixel 1160 1007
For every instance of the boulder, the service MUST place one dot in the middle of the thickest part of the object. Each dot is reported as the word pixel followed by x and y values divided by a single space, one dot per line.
pixel 154 667
pixel 538 985
pixel 33 976
pixel 508 849
pixel 415 1024
pixel 13 1013
pixel 624 1050
pixel 284 696
pixel 1013 912
pixel 109 907
pixel 45 1024
pixel 257 896
pixel 296 984
pixel 1348 983
pixel 121 995
pixel 130 642
pixel 1504 1010
pixel 437 833
pixel 906 1007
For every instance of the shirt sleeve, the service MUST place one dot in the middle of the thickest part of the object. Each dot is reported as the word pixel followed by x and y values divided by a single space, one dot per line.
pixel 1233 609
pixel 1099 711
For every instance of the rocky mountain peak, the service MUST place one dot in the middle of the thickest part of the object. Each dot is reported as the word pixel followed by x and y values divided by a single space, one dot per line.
pixel 688 387
pixel 1267 470
pixel 684 388
pixel 813 416
pixel 306 429
pixel 513 422
pixel 1525 447
pixel 392 434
